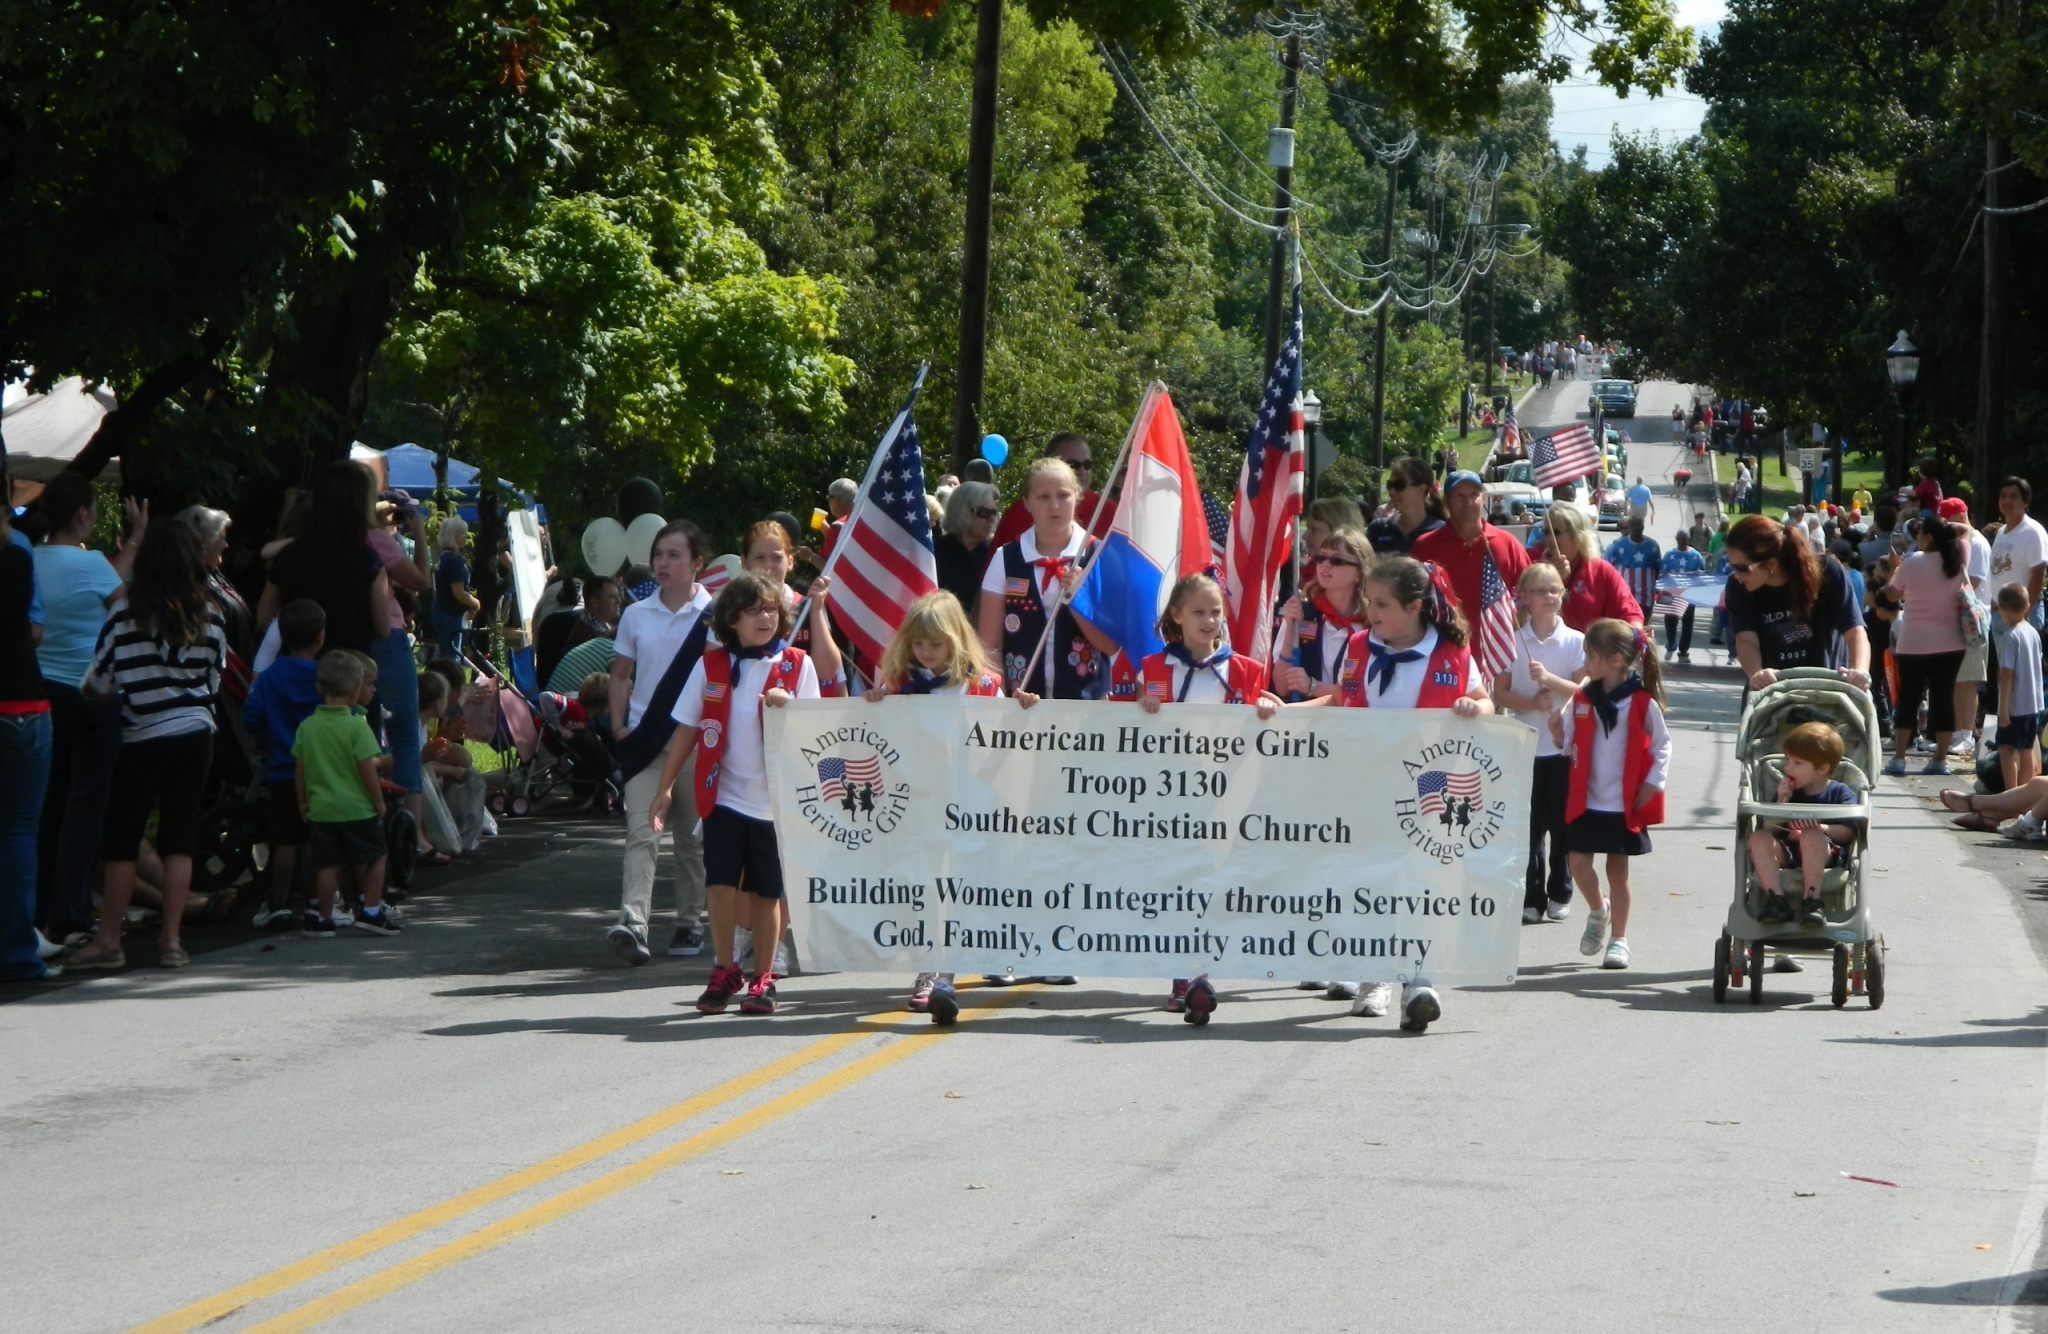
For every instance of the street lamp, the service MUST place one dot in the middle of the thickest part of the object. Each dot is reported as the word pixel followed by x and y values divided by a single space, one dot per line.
pixel 1902 365
pixel 1311 413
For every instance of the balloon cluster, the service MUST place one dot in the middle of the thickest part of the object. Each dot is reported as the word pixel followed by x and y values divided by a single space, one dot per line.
pixel 610 545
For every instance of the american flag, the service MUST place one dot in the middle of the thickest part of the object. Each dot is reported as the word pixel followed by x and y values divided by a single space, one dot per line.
pixel 1510 430
pixel 884 559
pixel 1262 519
pixel 834 773
pixel 1564 456
pixel 1219 528
pixel 1433 786
pixel 1676 592
pixel 1494 651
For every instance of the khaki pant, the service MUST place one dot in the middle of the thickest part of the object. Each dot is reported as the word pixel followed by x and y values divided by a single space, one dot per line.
pixel 643 848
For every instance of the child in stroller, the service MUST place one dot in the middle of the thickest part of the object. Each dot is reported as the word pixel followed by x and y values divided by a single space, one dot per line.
pixel 1812 753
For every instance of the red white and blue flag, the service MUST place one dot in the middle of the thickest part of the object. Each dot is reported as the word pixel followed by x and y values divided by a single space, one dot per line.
pixel 1263 518
pixel 884 560
pixel 1434 789
pixel 1564 456
pixel 1494 649
pixel 1159 534
pixel 1510 431
pixel 836 775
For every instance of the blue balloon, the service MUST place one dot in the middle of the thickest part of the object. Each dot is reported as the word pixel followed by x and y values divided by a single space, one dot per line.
pixel 995 449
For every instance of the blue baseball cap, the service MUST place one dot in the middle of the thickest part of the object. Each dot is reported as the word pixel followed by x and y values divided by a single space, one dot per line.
pixel 1460 477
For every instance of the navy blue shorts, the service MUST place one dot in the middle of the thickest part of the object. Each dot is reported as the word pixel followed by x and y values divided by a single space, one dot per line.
pixel 1838 853
pixel 2022 733
pixel 740 850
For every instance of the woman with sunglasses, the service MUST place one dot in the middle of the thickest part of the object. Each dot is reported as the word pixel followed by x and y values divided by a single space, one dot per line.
pixel 1418 509
pixel 964 544
pixel 1789 608
pixel 1593 589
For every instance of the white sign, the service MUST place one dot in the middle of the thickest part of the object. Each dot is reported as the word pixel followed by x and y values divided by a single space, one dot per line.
pixel 1810 460
pixel 971 835
pixel 529 567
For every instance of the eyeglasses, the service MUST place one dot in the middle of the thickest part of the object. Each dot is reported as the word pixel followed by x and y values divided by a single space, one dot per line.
pixel 764 609
pixel 982 512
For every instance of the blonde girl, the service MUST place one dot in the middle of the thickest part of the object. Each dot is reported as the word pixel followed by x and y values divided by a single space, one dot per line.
pixel 935 652
pixel 767 552
pixel 1620 753
pixel 1550 661
pixel 1413 656
pixel 1019 584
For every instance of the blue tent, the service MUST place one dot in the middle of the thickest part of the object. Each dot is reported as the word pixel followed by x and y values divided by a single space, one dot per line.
pixel 411 468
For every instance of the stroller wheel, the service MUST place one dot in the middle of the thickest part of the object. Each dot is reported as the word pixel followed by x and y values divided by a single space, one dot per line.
pixel 1873 971
pixel 1721 968
pixel 1756 973
pixel 1841 992
pixel 496 803
pixel 229 836
pixel 519 806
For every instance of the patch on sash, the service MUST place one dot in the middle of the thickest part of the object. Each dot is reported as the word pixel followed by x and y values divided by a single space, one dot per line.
pixel 714 691
pixel 1016 588
pixel 1308 630
pixel 1157 690
pixel 1444 677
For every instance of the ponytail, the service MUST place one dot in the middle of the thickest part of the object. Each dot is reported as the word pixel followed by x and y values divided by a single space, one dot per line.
pixel 1761 538
pixel 1631 644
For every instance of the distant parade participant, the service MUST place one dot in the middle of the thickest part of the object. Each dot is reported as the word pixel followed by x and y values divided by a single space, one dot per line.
pixel 1020 583
pixel 752 666
pixel 935 652
pixel 1415 656
pixel 1195 667
pixel 1620 752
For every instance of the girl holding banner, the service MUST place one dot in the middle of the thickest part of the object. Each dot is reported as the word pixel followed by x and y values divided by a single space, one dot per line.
pixel 1022 576
pixel 1413 657
pixel 935 652
pixel 1320 620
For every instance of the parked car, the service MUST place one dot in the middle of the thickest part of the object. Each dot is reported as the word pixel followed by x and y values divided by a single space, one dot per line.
pixel 1616 398
pixel 1613 501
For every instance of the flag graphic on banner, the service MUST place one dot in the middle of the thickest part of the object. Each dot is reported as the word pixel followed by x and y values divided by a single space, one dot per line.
pixel 1434 788
pixel 1564 456
pixel 1510 430
pixel 1262 519
pixel 1677 592
pixel 1494 651
pixel 836 775
pixel 1159 534
pixel 884 560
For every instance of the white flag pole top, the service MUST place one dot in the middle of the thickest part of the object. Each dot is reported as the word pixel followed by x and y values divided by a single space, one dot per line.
pixel 867 483
pixel 1139 425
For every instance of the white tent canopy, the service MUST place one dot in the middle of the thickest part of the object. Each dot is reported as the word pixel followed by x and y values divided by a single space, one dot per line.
pixel 44 432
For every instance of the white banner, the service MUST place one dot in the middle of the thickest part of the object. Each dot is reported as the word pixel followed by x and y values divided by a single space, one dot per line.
pixel 971 835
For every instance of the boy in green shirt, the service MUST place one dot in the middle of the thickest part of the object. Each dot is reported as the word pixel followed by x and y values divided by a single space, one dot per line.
pixel 335 760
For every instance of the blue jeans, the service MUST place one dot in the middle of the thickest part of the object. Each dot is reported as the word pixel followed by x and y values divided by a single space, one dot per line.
pixel 86 742
pixel 398 692
pixel 448 631
pixel 24 773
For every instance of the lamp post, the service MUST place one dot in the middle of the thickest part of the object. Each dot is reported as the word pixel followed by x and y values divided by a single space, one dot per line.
pixel 1902 366
pixel 1311 413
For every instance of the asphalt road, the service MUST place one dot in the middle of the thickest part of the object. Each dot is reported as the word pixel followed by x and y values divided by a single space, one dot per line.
pixel 488 1124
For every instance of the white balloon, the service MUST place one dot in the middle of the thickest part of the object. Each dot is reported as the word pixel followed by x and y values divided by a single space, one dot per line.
pixel 604 546
pixel 640 537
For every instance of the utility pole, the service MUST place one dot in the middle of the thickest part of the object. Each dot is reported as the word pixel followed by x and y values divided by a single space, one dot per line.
pixel 970 365
pixel 1379 359
pixel 1990 452
pixel 1283 198
pixel 1491 346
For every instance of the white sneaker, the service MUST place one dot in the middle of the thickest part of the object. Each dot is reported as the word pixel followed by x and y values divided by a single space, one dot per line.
pixel 2023 827
pixel 627 944
pixel 1963 743
pixel 1420 1006
pixel 1342 991
pixel 1596 933
pixel 1557 912
pixel 1617 954
pixel 47 948
pixel 743 949
pixel 1373 1000
pixel 1531 915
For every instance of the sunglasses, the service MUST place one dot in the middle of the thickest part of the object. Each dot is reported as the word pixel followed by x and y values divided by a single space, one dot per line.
pixel 1744 568
pixel 982 512
pixel 1397 484
pixel 1339 560
pixel 1081 465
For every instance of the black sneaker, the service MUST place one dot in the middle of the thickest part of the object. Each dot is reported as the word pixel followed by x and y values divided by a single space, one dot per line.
pixel 726 982
pixel 760 997
pixel 1201 1001
pixel 1776 909
pixel 378 923
pixel 941 1003
pixel 686 943
pixel 318 927
pixel 1810 913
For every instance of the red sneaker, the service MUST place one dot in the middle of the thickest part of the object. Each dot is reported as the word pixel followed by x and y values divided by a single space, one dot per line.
pixel 726 982
pixel 760 998
pixel 1201 1001
pixel 1177 1003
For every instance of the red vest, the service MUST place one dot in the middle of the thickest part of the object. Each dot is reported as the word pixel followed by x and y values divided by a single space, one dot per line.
pixel 1635 767
pixel 786 672
pixel 1246 679
pixel 1449 666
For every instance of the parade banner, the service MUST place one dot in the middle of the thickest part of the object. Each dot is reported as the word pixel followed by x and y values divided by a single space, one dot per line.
pixel 950 834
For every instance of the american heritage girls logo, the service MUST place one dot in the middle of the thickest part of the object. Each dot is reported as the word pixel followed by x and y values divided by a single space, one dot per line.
pixel 848 789
pixel 1450 812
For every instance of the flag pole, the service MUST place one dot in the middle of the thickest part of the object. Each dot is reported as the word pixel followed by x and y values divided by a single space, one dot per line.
pixel 867 483
pixel 1146 407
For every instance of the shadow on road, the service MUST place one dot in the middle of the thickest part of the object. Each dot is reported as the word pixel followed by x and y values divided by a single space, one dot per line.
pixel 2027 1031
pixel 2024 1289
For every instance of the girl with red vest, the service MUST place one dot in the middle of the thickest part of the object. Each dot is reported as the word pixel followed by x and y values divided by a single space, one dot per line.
pixel 935 652
pixel 720 710
pixel 1195 667
pixel 1620 752
pixel 1414 656
pixel 1320 620
pixel 768 553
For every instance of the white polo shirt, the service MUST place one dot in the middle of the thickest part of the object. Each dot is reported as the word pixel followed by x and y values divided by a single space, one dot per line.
pixel 743 763
pixel 1562 654
pixel 650 634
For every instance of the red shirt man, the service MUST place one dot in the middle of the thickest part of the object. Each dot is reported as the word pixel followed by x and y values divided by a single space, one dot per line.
pixel 1072 447
pixel 1461 545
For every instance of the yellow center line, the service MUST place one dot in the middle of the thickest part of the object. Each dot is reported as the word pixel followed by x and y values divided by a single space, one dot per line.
pixel 208 1309
pixel 407 1272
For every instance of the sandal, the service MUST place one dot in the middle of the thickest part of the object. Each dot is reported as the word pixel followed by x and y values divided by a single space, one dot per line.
pixel 172 958
pixel 1975 823
pixel 90 959
pixel 1969 800
pixel 433 861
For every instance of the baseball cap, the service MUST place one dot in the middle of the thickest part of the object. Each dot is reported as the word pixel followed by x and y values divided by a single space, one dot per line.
pixel 1953 507
pixel 1457 479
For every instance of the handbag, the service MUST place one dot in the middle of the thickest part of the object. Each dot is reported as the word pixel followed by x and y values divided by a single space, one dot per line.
pixel 1973 618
